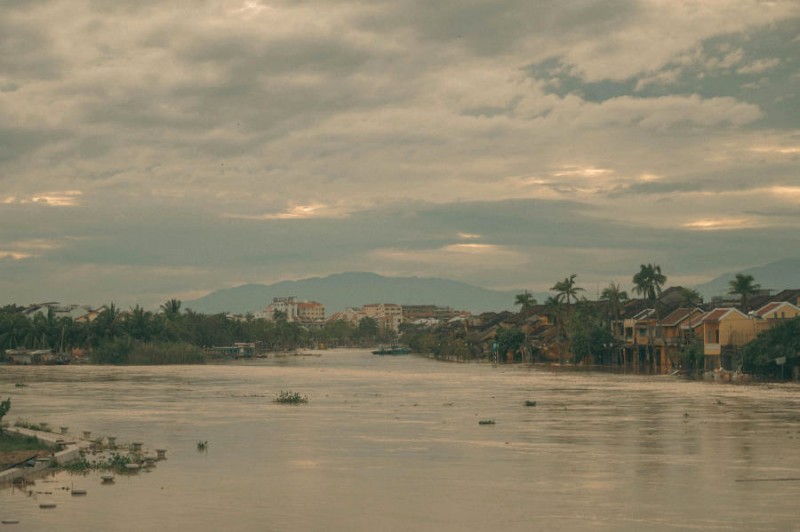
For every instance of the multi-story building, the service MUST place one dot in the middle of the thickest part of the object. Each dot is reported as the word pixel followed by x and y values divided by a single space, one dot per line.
pixel 308 312
pixel 388 315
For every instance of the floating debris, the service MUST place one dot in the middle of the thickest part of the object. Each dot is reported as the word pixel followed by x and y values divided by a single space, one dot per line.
pixel 47 505
pixel 486 422
pixel 78 492
pixel 530 403
pixel 202 445
pixel 107 478
pixel 10 521
pixel 291 398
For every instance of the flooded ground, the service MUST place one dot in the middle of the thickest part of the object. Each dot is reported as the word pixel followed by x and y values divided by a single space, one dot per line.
pixel 394 443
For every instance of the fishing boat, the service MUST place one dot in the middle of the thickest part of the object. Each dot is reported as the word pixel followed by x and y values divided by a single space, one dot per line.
pixel 392 350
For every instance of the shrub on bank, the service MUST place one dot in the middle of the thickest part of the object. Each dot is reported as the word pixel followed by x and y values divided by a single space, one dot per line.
pixel 166 353
pixel 125 351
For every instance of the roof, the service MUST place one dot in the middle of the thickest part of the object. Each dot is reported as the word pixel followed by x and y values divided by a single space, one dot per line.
pixel 775 305
pixel 678 315
pixel 718 314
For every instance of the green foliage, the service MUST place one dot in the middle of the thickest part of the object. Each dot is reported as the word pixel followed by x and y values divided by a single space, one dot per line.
pixel 166 353
pixel 783 340
pixel 566 289
pixel 744 286
pixel 525 300
pixel 648 281
pixel 692 357
pixel 112 351
pixel 509 340
pixel 25 424
pixel 291 398
pixel 589 338
pixel 11 443
pixel 5 406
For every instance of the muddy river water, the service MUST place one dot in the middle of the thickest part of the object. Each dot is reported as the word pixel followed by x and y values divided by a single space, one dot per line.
pixel 394 443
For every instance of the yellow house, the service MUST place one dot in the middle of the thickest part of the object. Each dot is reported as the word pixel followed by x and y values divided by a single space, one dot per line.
pixel 779 310
pixel 724 331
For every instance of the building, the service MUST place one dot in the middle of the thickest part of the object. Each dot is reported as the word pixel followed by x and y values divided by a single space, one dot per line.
pixel 388 315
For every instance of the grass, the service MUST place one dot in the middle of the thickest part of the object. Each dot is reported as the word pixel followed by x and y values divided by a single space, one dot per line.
pixel 291 398
pixel 10 444
pixel 25 424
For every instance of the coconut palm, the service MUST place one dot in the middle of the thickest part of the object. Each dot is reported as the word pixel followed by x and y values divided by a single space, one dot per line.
pixel 615 298
pixel 171 309
pixel 554 308
pixel 690 297
pixel 648 281
pixel 566 289
pixel 525 300
pixel 744 286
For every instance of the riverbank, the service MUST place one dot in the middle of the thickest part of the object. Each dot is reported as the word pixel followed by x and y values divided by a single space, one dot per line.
pixel 62 452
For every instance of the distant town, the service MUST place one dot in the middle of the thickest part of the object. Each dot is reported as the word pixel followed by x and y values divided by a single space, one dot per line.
pixel 752 332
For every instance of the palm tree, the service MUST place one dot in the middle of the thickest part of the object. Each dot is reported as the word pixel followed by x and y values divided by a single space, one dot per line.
pixel 690 297
pixel 554 308
pixel 745 287
pixel 648 282
pixel 616 298
pixel 171 309
pixel 566 289
pixel 525 300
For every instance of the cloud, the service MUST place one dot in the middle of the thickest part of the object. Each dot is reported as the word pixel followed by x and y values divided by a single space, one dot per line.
pixel 174 150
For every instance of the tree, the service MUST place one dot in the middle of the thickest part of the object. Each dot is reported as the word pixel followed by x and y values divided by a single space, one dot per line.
pixel 555 310
pixel 615 298
pixel 744 286
pixel 648 281
pixel 566 289
pixel 5 406
pixel 509 340
pixel 689 297
pixel 525 300
pixel 171 309
pixel 782 340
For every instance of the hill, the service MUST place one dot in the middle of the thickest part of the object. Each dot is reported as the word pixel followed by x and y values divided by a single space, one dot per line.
pixel 784 273
pixel 353 289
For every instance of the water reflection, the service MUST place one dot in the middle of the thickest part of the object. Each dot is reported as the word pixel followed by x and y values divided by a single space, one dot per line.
pixel 395 444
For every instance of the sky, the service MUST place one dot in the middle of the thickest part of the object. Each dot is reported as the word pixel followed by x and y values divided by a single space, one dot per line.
pixel 152 150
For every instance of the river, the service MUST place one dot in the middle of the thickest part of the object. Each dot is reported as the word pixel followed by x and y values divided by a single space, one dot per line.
pixel 395 444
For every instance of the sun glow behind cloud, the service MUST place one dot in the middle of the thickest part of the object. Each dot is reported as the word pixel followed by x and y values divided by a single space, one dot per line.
pixel 722 224
pixel 298 212
pixel 63 198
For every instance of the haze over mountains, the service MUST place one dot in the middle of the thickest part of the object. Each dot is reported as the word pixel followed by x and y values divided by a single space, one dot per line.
pixel 784 273
pixel 353 289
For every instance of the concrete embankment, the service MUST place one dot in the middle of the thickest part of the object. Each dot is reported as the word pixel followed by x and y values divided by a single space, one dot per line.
pixel 70 450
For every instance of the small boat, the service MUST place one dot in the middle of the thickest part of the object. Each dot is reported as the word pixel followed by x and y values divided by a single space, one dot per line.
pixel 392 350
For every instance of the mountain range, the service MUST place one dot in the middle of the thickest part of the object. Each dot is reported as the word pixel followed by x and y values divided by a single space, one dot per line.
pixel 784 273
pixel 354 289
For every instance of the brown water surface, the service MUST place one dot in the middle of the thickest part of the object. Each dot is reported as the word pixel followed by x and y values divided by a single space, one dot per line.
pixel 394 443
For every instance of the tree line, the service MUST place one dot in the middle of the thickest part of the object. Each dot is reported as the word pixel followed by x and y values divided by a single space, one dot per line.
pixel 171 334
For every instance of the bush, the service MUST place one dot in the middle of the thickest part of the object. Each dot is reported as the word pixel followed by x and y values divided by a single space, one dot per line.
pixel 127 351
pixel 166 353
pixel 291 398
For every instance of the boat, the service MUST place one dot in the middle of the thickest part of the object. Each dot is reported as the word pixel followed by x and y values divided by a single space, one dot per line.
pixel 392 350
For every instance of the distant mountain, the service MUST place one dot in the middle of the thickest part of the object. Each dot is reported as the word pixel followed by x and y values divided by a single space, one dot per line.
pixel 784 273
pixel 353 289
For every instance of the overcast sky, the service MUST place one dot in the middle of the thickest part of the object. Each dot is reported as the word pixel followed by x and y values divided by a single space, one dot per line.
pixel 151 150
